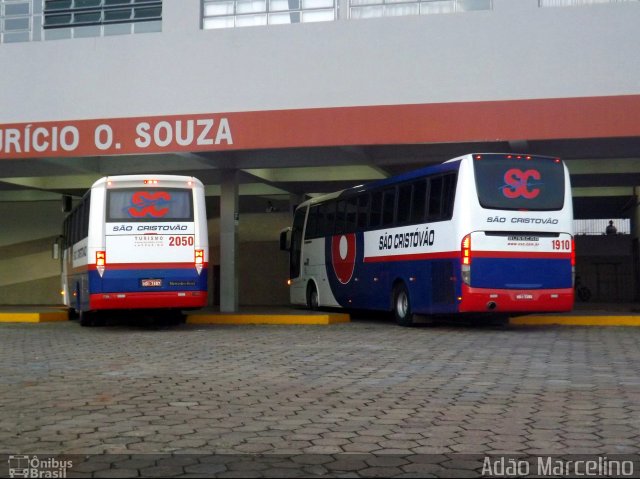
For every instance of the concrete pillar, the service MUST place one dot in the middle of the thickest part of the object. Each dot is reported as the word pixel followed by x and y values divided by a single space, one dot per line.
pixel 635 242
pixel 229 241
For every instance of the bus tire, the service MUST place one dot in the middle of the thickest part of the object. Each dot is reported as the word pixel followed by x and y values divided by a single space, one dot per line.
pixel 312 296
pixel 92 318
pixel 402 305
pixel 86 319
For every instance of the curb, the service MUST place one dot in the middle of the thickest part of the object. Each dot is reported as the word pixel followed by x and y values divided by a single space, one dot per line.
pixel 336 318
pixel 33 317
pixel 584 320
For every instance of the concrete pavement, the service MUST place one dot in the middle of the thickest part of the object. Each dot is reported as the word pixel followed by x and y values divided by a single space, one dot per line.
pixel 359 399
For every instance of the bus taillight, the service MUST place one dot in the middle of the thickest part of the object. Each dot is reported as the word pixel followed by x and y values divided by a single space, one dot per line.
pixel 199 260
pixel 465 259
pixel 101 261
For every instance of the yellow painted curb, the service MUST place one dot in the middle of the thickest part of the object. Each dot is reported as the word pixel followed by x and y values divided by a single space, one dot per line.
pixel 268 318
pixel 33 317
pixel 622 320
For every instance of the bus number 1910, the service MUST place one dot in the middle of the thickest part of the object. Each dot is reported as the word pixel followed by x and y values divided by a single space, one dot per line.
pixel 563 245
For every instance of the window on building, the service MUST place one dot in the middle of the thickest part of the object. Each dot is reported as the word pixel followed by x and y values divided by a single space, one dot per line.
pixel 392 8
pixel 575 3
pixel 245 13
pixel 82 18
pixel 599 226
pixel 20 20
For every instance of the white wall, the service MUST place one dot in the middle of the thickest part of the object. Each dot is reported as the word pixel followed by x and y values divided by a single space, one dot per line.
pixel 515 51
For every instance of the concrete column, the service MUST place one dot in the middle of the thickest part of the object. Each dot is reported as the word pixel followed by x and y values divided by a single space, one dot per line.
pixel 229 241
pixel 635 241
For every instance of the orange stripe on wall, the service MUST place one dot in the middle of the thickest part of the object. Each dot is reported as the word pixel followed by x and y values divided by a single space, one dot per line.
pixel 590 117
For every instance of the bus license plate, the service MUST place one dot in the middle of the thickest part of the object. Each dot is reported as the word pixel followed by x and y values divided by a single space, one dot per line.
pixel 151 283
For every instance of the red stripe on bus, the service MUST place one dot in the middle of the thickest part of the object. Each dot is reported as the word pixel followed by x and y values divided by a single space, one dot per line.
pixel 520 254
pixel 474 254
pixel 155 300
pixel 124 266
pixel 413 257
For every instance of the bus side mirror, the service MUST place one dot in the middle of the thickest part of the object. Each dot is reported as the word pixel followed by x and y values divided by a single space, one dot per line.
pixel 285 239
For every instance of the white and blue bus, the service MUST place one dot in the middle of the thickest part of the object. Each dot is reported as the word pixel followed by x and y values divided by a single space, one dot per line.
pixel 136 242
pixel 482 233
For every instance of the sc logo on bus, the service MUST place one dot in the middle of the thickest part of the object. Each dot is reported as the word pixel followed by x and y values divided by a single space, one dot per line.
pixel 146 204
pixel 517 183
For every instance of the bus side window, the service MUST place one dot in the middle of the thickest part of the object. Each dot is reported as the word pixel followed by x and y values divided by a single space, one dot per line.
pixel 75 226
pixel 388 206
pixel 341 217
pixel 376 209
pixel 363 211
pixel 418 201
pixel 435 199
pixel 311 231
pixel 448 196
pixel 320 220
pixel 329 218
pixel 351 215
pixel 85 215
pixel 404 204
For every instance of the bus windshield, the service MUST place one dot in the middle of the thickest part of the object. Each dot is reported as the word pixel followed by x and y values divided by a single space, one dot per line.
pixel 519 182
pixel 149 204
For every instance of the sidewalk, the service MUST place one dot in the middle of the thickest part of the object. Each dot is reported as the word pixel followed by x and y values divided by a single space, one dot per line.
pixel 584 314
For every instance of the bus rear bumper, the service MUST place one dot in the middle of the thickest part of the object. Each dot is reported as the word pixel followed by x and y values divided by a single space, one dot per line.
pixel 483 300
pixel 149 300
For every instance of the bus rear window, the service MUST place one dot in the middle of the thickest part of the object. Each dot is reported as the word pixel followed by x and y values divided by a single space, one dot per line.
pixel 519 182
pixel 150 204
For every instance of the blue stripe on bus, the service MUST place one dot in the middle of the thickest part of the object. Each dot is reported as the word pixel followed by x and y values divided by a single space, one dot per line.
pixel 434 289
pixel 123 280
pixel 516 273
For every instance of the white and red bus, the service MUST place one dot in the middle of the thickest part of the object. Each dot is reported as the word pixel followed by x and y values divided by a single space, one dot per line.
pixel 136 242
pixel 482 233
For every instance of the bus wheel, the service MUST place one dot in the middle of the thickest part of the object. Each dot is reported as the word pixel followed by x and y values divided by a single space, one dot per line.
pixel 86 318
pixel 312 297
pixel 402 306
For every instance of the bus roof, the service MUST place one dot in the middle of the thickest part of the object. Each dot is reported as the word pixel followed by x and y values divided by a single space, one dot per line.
pixel 149 177
pixel 451 165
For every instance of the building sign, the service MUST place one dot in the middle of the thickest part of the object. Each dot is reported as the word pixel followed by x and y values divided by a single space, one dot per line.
pixel 118 136
pixel 538 119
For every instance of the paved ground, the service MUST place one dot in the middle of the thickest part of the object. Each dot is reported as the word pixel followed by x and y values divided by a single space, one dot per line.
pixel 292 401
